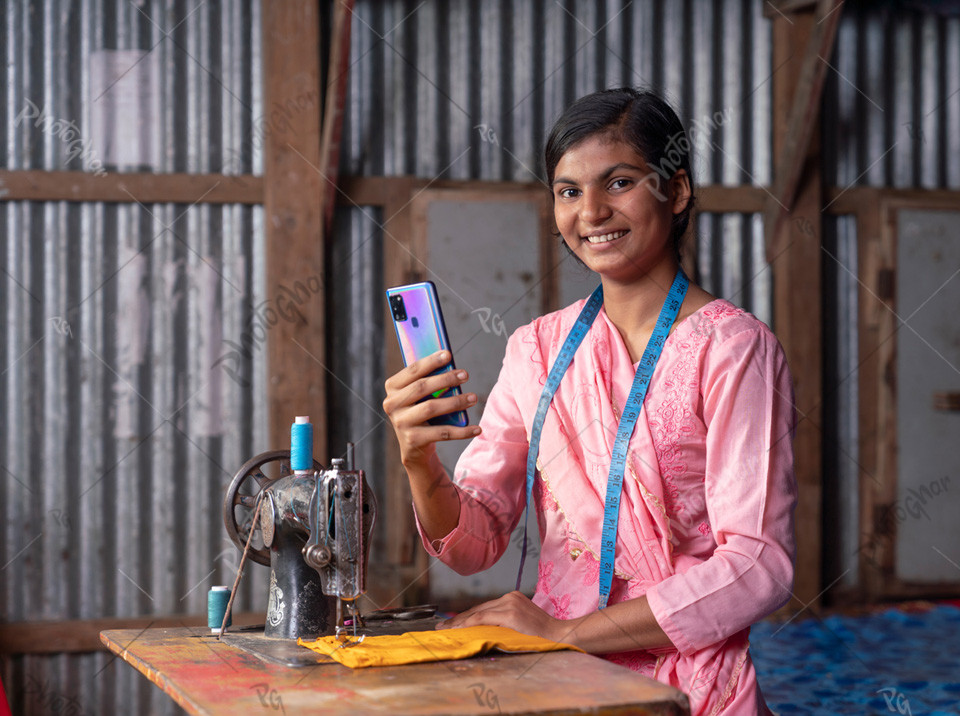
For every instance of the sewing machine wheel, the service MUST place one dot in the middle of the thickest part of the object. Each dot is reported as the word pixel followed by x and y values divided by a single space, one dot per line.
pixel 256 474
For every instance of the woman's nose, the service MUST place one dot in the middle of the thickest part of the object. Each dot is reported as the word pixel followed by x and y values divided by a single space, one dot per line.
pixel 594 210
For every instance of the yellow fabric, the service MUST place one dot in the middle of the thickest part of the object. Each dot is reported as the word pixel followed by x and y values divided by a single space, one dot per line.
pixel 438 645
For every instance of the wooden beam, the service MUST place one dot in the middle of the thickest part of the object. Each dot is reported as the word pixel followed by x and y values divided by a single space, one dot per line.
pixel 333 112
pixel 875 347
pixel 36 185
pixel 775 8
pixel 371 191
pixel 718 199
pixel 83 635
pixel 864 200
pixel 402 546
pixel 803 118
pixel 296 356
pixel 798 306
pixel 376 191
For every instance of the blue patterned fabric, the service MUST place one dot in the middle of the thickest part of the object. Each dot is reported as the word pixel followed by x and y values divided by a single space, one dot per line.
pixel 890 662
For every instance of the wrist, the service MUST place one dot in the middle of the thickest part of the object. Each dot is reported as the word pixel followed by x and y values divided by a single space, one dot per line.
pixel 418 459
pixel 566 631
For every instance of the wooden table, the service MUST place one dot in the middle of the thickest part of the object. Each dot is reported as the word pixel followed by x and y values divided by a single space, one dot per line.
pixel 205 676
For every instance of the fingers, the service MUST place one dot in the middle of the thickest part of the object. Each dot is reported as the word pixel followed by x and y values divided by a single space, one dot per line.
pixel 424 435
pixel 470 617
pixel 497 612
pixel 409 405
pixel 417 382
pixel 405 410
pixel 418 369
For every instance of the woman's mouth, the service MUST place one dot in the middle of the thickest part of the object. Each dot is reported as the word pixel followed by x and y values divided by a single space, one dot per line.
pixel 604 238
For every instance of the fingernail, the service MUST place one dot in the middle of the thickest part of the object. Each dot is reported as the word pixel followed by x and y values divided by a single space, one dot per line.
pixel 462 374
pixel 444 356
pixel 471 399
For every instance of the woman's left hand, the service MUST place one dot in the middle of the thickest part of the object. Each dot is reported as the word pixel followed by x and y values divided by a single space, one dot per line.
pixel 516 611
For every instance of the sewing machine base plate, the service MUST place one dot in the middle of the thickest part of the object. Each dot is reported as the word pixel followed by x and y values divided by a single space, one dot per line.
pixel 286 652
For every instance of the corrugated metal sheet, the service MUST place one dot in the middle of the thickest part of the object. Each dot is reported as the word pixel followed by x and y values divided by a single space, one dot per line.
pixel 355 352
pixel 892 101
pixel 840 430
pixel 427 82
pixel 122 422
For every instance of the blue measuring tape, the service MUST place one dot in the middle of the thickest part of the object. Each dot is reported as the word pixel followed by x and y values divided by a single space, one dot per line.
pixel 628 420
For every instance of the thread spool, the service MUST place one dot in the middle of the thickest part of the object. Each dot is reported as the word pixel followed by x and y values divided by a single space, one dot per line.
pixel 301 444
pixel 217 599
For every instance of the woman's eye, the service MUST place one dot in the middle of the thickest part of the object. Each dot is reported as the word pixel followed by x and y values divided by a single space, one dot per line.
pixel 620 183
pixel 568 193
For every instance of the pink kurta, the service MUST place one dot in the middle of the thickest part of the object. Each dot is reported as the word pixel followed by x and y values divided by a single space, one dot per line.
pixel 706 515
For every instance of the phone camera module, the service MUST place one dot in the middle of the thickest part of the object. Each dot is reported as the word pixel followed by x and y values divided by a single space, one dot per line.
pixel 398 309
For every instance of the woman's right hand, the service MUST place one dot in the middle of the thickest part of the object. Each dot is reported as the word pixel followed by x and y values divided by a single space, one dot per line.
pixel 409 416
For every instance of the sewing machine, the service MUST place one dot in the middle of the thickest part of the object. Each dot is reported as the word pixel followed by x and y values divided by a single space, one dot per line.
pixel 314 530
pixel 312 526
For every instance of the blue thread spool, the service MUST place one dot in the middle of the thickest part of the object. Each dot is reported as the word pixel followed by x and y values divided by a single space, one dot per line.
pixel 217 599
pixel 301 444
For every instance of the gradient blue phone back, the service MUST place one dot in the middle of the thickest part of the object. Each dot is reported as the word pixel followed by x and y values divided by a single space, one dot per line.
pixel 423 333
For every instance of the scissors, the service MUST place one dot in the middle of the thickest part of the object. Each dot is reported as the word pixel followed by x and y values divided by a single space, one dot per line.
pixel 422 611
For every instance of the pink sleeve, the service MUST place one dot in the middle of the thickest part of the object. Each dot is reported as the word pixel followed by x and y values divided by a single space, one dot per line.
pixel 491 479
pixel 750 492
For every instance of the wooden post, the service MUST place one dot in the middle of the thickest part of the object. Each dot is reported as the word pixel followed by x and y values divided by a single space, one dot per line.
pixel 798 310
pixel 409 576
pixel 294 234
pixel 877 433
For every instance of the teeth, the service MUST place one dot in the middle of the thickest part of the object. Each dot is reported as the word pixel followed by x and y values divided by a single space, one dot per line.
pixel 604 238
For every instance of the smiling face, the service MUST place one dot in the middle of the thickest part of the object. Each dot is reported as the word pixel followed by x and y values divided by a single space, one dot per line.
pixel 614 212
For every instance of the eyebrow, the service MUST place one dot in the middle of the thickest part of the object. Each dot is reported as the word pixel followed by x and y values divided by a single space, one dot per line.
pixel 606 174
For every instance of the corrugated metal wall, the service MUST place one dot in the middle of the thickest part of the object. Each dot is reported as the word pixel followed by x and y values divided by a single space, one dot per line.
pixel 118 432
pixel 121 420
pixel 891 111
pixel 892 101
pixel 428 81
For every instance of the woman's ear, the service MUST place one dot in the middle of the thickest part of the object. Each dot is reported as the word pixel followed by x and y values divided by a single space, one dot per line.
pixel 680 191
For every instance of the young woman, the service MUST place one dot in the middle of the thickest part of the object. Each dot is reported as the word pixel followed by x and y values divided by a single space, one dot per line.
pixel 663 484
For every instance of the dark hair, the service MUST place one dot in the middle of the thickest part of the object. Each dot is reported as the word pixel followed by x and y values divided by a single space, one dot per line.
pixel 639 118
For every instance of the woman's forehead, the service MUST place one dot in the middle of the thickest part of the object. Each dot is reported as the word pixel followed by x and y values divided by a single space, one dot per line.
pixel 596 153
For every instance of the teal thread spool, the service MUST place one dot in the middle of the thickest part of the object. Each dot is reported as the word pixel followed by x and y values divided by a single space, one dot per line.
pixel 217 599
pixel 301 444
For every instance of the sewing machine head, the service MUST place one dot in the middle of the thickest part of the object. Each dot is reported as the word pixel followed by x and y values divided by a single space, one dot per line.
pixel 312 526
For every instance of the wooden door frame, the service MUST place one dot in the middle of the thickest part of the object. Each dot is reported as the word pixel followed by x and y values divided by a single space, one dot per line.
pixel 876 211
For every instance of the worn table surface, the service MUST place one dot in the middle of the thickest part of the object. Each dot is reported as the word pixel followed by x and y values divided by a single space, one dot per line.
pixel 205 676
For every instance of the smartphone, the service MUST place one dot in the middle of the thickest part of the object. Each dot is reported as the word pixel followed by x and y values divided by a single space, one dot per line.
pixel 418 320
